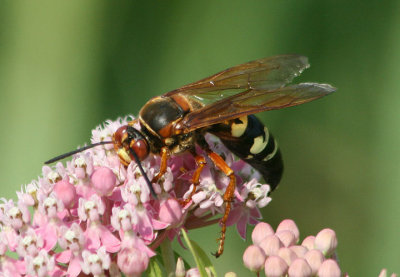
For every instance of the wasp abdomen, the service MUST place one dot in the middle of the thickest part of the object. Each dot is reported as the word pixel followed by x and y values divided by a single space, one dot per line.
pixel 250 140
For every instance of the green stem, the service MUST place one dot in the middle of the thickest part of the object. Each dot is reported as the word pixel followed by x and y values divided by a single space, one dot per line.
pixel 168 257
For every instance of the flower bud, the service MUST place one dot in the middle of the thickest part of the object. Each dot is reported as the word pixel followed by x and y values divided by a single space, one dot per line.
pixel 254 258
pixel 383 273
pixel 261 231
pixel 299 250
pixel 171 212
pixel 314 258
pixel 287 237
pixel 329 268
pixel 180 268
pixel 103 181
pixel 271 245
pixel 132 261
pixel 326 241
pixel 275 266
pixel 308 242
pixel 289 225
pixel 299 268
pixel 193 272
pixel 66 192
pixel 231 274
pixel 288 255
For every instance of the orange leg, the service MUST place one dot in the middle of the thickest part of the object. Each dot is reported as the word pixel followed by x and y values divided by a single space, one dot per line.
pixel 133 122
pixel 200 162
pixel 163 166
pixel 228 195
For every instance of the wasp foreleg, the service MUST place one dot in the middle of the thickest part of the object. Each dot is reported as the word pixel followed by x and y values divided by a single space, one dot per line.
pixel 133 122
pixel 163 167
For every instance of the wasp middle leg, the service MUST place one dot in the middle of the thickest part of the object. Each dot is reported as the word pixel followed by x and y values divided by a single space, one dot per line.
pixel 200 162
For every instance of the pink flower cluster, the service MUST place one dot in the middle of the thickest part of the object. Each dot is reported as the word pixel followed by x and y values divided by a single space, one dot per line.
pixel 279 254
pixel 94 216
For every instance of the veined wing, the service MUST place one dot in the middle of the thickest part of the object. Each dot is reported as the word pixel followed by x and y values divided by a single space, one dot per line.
pixel 268 73
pixel 253 101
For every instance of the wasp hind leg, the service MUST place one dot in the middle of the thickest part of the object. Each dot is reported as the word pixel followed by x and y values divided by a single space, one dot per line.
pixel 220 163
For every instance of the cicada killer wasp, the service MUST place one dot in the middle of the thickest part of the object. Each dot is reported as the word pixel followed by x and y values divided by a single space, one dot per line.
pixel 224 105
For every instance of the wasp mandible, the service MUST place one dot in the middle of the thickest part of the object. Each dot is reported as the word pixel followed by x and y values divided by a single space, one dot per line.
pixel 224 105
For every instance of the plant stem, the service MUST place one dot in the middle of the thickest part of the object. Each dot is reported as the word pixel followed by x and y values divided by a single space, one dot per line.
pixel 168 257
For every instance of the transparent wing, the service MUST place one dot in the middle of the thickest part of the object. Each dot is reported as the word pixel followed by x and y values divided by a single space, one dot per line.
pixel 252 101
pixel 268 73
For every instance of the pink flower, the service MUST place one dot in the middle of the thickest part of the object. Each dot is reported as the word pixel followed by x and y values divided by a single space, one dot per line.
pixel 144 224
pixel 97 235
pixel 30 243
pixel 95 207
pixel 255 194
pixel 95 262
pixel 91 209
pixel 50 206
pixel 81 167
pixel 17 217
pixel 208 197
pixel 12 267
pixel 133 241
pixel 72 238
pixel 124 219
pixel 29 196
pixel 40 265
pixel 3 244
pixel 50 176
pixel 135 189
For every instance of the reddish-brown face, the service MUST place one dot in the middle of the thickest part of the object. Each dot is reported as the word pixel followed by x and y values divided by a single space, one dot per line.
pixel 127 141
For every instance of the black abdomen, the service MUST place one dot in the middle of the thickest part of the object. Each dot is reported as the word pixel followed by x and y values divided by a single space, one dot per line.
pixel 250 140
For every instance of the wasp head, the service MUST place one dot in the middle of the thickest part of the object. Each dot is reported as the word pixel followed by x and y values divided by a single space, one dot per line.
pixel 129 142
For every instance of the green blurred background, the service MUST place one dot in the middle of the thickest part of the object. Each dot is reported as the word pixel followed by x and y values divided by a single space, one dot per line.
pixel 67 66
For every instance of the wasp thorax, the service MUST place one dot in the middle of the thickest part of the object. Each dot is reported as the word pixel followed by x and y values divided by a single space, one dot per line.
pixel 127 142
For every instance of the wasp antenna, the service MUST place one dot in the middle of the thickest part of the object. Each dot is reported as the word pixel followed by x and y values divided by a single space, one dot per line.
pixel 149 184
pixel 76 151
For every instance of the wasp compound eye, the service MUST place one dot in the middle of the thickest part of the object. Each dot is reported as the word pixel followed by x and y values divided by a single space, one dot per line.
pixel 140 147
pixel 120 135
